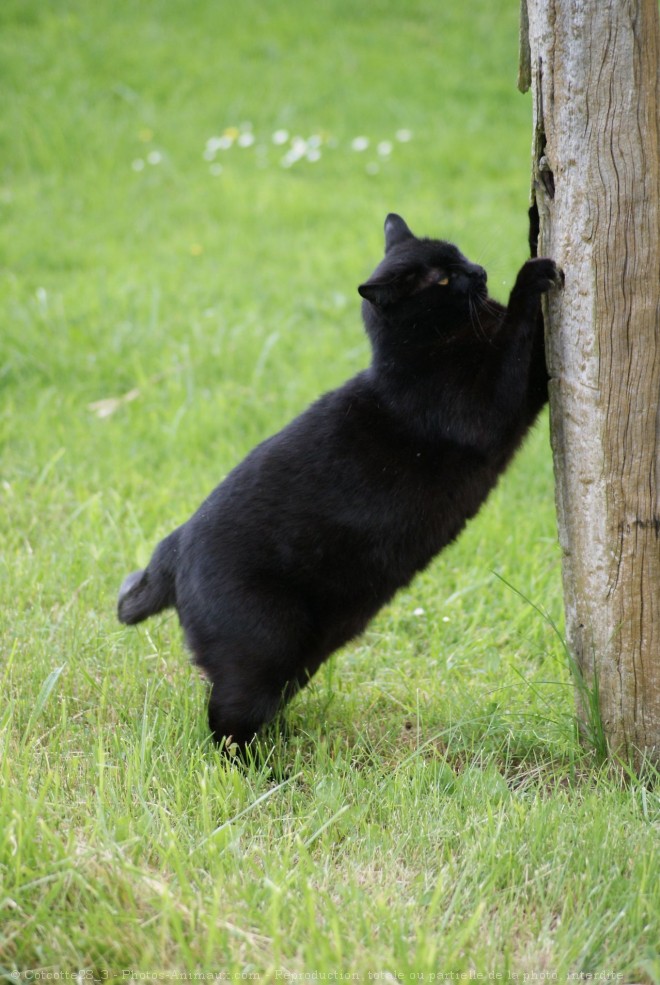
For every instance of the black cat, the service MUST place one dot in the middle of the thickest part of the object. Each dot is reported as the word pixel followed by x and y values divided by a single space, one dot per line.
pixel 306 539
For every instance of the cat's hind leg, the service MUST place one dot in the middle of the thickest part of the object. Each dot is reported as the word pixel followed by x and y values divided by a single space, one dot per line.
pixel 239 706
pixel 253 651
pixel 245 693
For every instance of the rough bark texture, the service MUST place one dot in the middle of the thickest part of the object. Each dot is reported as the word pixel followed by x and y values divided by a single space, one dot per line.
pixel 594 67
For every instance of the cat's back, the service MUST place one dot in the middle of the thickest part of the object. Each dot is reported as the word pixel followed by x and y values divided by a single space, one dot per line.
pixel 322 448
pixel 350 469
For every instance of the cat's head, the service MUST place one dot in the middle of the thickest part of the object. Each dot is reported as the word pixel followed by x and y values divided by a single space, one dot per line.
pixel 422 275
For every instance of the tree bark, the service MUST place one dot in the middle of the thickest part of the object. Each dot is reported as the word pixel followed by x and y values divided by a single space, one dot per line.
pixel 594 68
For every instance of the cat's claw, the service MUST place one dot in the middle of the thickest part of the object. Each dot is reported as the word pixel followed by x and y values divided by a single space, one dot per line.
pixel 558 278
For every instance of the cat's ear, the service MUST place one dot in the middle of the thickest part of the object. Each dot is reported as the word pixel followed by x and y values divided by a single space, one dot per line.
pixel 379 292
pixel 387 289
pixel 396 231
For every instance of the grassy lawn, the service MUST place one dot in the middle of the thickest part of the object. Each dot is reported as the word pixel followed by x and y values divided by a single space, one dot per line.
pixel 178 278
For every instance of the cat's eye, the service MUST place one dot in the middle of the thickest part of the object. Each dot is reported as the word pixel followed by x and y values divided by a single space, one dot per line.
pixel 443 281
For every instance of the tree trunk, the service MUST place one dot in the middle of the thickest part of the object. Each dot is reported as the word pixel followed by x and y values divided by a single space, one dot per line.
pixel 594 69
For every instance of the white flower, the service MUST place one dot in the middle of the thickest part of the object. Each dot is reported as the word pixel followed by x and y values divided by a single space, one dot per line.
pixel 224 142
pixel 154 157
pixel 418 611
pixel 214 144
pixel 313 154
pixel 246 140
pixel 296 152
pixel 359 143
pixel 385 148
pixel 280 137
pixel 403 136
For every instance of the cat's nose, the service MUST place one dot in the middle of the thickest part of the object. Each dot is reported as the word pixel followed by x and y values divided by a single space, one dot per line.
pixel 478 274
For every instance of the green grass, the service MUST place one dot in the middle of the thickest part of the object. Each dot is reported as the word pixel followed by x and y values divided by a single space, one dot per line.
pixel 426 807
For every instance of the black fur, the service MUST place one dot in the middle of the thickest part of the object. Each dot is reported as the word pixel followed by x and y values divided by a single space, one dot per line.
pixel 306 539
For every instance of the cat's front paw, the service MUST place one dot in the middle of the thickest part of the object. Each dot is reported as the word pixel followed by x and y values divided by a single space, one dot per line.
pixel 539 275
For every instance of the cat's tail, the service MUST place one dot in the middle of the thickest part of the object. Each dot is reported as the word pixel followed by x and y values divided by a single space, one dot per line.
pixel 144 593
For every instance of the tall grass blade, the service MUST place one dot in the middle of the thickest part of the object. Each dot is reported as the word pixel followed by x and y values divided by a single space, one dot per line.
pixel 42 699
pixel 591 727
